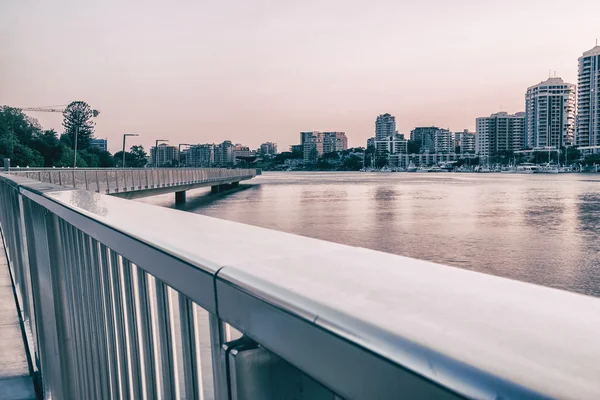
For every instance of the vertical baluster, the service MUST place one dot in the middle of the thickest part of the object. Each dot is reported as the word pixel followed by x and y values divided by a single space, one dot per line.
pixel 109 324
pixel 189 349
pixel 86 180
pixel 146 173
pixel 147 335
pixel 97 182
pixel 89 311
pixel 107 183
pixel 84 358
pixel 133 348
pixel 165 340
pixel 217 338
pixel 95 283
pixel 120 336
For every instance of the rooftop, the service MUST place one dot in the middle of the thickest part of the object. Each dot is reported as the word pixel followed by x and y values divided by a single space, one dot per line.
pixel 593 52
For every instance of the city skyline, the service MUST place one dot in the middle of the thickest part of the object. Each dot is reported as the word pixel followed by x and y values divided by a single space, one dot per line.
pixel 152 72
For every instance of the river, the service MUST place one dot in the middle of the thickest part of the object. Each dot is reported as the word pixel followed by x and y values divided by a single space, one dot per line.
pixel 538 228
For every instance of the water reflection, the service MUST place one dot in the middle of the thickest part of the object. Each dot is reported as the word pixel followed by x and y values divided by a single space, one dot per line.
pixel 538 228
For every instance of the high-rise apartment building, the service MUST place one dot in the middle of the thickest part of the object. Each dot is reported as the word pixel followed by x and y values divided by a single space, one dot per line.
pixel 443 141
pixel 499 132
pixel 224 153
pixel 370 142
pixel 202 155
pixel 385 125
pixel 268 149
pixel 426 136
pixel 549 114
pixel 465 140
pixel 334 141
pixel 588 99
pixel 164 155
pixel 312 145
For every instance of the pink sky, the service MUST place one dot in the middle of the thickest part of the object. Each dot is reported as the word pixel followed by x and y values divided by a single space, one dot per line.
pixel 255 71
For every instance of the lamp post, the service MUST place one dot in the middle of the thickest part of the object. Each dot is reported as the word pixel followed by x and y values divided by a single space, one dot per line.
pixel 125 137
pixel 156 151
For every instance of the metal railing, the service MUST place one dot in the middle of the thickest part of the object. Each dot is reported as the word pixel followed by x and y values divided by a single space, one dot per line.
pixel 119 180
pixel 127 300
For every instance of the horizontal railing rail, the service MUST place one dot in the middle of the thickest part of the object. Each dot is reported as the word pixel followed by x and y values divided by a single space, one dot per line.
pixel 120 180
pixel 130 300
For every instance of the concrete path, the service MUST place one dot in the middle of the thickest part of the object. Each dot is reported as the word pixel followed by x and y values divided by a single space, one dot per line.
pixel 15 381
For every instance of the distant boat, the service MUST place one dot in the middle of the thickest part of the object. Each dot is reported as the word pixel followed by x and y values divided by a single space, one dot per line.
pixel 527 169
pixel 423 169
pixel 385 169
pixel 549 169
pixel 411 167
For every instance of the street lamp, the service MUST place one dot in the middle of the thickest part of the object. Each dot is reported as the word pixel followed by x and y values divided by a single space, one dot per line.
pixel 125 137
pixel 156 151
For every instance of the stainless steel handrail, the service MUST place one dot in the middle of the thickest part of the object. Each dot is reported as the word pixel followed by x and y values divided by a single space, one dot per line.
pixel 123 180
pixel 363 323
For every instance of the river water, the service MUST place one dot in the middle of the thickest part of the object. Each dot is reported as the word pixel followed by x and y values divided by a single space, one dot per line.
pixel 542 229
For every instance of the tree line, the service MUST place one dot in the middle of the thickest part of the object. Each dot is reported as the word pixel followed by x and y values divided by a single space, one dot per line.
pixel 27 144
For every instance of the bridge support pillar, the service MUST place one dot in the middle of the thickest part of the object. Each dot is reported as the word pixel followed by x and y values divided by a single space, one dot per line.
pixel 215 189
pixel 235 184
pixel 180 197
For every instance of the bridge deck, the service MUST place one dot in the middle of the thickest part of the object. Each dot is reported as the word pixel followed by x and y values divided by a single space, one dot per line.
pixel 15 380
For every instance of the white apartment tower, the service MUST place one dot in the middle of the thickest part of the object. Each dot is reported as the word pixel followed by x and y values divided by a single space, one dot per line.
pixel 385 125
pixel 588 99
pixel 499 132
pixel 550 114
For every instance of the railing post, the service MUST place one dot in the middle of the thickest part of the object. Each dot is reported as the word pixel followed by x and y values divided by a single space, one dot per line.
pixel 107 183
pixel 44 258
pixel 146 171
pixel 61 305
pixel 97 182
pixel 86 180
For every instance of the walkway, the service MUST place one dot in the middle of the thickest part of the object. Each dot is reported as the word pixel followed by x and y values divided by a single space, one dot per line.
pixel 15 381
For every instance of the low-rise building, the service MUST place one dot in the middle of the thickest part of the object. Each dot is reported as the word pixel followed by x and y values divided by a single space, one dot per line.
pixel 334 141
pixel 465 140
pixel 102 144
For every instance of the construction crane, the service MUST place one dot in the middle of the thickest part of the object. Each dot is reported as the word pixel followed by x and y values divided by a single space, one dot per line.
pixel 58 109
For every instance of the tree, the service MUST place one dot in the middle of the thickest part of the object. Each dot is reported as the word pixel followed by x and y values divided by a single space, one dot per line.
pixel 17 134
pixel 139 156
pixel 78 119
pixel 381 158
pixel 413 147
pixel 135 158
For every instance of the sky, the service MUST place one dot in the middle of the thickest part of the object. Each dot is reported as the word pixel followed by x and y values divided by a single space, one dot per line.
pixel 196 71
